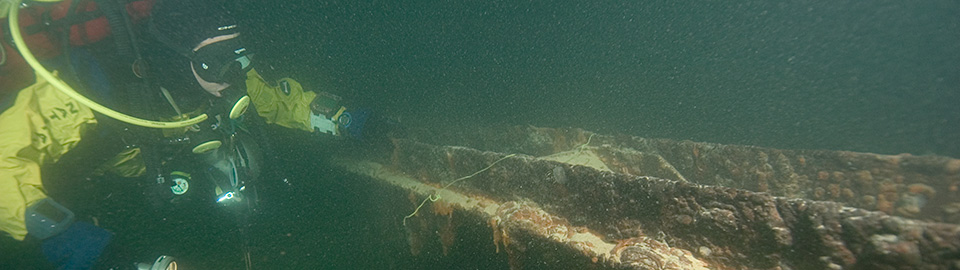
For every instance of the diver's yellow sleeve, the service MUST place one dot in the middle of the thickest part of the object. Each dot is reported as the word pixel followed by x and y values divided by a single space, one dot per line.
pixel 41 126
pixel 285 104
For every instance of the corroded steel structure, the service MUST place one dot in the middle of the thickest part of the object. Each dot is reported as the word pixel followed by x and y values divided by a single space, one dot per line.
pixel 578 200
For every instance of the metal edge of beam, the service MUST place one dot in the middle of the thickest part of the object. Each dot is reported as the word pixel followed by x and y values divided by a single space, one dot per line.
pixel 518 223
pixel 728 227
pixel 917 187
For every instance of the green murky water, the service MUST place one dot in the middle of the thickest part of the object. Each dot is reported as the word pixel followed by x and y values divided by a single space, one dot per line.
pixel 875 76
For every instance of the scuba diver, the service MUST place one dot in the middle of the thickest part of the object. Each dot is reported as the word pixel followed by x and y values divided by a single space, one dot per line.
pixel 158 91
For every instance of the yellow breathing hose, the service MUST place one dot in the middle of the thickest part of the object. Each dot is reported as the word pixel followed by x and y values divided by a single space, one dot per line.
pixel 67 90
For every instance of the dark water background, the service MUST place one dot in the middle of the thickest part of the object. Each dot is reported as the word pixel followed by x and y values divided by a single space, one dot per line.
pixel 873 76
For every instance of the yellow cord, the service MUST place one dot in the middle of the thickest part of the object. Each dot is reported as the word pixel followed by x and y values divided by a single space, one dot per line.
pixel 67 90
pixel 436 194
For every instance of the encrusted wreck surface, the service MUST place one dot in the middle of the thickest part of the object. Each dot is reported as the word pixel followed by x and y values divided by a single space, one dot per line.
pixel 919 187
pixel 530 237
pixel 632 203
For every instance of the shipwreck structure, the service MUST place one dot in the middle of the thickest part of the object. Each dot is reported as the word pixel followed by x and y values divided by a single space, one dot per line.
pixel 571 199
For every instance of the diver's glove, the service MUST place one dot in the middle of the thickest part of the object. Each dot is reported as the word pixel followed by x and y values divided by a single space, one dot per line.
pixel 347 123
pixel 360 124
pixel 371 129
pixel 352 123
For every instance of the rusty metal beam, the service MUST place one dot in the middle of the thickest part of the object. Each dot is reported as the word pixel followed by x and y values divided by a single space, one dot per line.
pixel 615 218
pixel 519 228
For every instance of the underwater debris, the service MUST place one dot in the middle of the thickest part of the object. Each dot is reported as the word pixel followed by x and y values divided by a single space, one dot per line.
pixel 559 175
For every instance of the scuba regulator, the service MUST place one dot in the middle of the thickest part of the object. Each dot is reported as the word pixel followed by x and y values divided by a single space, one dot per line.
pixel 219 150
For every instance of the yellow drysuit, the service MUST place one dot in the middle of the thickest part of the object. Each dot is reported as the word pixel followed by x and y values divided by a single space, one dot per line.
pixel 43 124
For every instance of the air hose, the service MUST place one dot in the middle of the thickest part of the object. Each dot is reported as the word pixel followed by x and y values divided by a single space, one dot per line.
pixel 67 90
pixel 114 12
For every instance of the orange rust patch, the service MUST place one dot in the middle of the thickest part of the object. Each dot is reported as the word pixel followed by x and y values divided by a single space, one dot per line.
pixel 412 196
pixel 864 176
pixel 529 216
pixel 621 243
pixel 922 189
pixel 847 193
pixel 441 208
pixel 834 190
pixel 497 234
pixel 696 160
pixel 838 176
pixel 893 162
pixel 448 234
pixel 887 197
pixel 823 176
